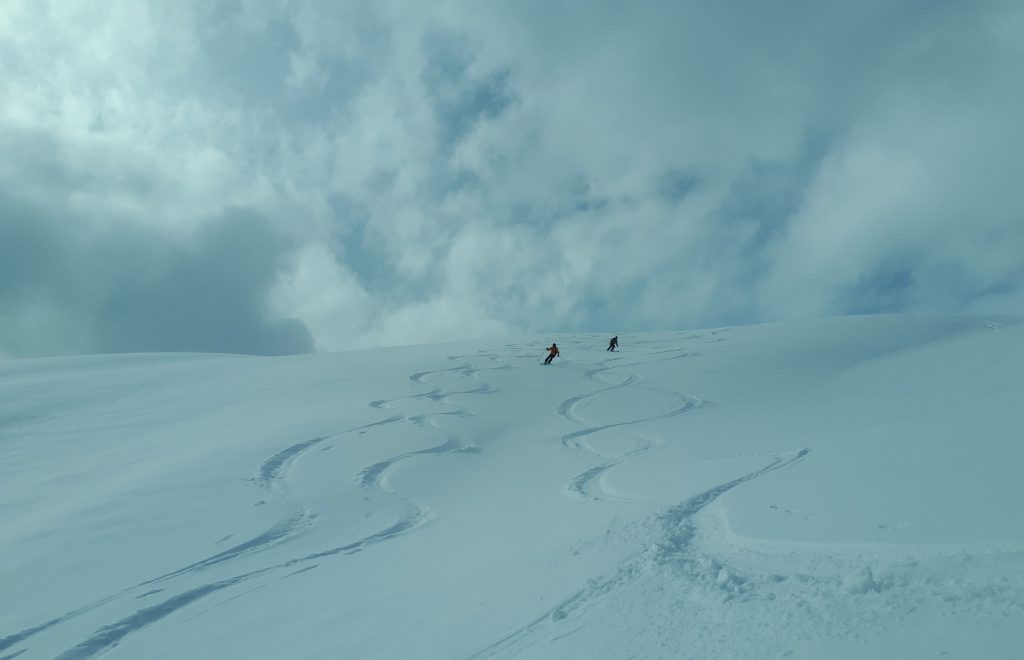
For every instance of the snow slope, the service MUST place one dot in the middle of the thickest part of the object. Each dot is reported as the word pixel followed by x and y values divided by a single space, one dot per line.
pixel 837 488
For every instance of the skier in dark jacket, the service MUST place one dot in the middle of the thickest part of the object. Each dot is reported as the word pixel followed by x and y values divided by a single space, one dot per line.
pixel 552 353
pixel 613 344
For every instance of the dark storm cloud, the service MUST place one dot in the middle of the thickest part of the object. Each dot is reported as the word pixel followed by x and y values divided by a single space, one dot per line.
pixel 130 289
pixel 35 260
pixel 207 295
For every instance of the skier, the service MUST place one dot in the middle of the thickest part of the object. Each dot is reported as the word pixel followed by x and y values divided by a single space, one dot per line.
pixel 613 344
pixel 552 353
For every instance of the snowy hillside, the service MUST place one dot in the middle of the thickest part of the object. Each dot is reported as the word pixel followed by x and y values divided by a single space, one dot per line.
pixel 839 488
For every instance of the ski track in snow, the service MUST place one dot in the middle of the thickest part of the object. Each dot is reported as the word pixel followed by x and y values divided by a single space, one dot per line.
pixel 674 527
pixel 271 477
pixel 587 484
pixel 372 475
pixel 674 535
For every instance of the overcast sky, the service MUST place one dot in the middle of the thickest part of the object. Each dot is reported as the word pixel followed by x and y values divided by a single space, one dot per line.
pixel 275 176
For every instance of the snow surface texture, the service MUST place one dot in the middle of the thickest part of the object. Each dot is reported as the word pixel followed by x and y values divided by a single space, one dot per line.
pixel 839 488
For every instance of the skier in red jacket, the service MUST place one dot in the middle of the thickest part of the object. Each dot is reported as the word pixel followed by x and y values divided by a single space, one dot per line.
pixel 552 353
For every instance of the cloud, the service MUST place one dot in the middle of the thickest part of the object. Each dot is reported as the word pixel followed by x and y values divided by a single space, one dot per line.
pixel 205 295
pixel 368 173
pixel 123 288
